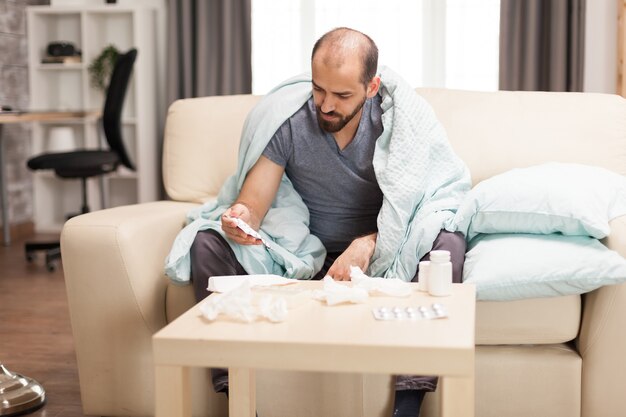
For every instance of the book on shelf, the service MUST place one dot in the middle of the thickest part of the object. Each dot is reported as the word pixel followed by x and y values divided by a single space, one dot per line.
pixel 74 59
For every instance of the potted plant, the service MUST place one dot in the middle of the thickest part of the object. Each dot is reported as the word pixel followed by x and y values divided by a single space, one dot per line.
pixel 101 67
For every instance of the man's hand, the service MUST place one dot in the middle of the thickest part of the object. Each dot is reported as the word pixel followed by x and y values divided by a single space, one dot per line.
pixel 358 254
pixel 229 225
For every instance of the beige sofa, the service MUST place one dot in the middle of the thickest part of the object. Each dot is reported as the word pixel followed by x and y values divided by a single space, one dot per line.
pixel 552 357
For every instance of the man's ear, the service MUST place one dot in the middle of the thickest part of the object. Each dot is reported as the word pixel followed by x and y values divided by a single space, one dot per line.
pixel 373 86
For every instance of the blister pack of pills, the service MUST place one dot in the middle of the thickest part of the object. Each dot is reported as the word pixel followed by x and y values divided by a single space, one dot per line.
pixel 434 311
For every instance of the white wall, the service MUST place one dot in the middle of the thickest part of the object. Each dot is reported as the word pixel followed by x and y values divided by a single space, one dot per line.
pixel 601 46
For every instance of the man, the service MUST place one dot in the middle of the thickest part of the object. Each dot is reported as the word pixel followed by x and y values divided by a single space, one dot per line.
pixel 337 153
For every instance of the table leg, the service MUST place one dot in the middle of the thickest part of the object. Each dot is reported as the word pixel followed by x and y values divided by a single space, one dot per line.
pixel 242 392
pixel 457 397
pixel 173 391
pixel 6 227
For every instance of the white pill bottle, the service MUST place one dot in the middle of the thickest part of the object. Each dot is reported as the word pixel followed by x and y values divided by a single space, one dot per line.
pixel 422 276
pixel 440 273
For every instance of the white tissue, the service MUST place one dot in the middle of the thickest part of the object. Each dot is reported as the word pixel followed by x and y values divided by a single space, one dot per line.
pixel 273 308
pixel 230 282
pixel 393 287
pixel 362 287
pixel 334 293
pixel 237 304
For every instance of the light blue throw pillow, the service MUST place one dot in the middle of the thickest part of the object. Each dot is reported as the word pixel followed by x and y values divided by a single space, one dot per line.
pixel 518 266
pixel 572 199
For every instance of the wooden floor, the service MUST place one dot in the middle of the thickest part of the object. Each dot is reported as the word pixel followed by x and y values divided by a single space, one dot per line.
pixel 35 332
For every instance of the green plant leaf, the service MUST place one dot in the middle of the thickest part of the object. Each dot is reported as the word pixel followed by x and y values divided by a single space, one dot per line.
pixel 102 66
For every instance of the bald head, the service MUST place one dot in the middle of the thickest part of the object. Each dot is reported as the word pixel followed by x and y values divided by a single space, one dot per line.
pixel 341 44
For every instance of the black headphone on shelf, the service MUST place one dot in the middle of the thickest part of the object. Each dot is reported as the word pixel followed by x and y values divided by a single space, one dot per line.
pixel 61 48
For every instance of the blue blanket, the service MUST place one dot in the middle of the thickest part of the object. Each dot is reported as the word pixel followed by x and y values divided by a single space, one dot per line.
pixel 421 178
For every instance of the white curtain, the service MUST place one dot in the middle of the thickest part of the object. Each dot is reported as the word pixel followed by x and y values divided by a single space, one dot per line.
pixel 431 43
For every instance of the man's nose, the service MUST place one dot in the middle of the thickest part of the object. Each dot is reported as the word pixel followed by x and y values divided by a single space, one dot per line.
pixel 328 105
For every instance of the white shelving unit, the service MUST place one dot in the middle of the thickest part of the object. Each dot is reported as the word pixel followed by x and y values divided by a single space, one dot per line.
pixel 67 87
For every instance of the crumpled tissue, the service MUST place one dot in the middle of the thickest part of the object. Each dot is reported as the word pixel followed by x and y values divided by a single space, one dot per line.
pixel 393 287
pixel 334 293
pixel 238 304
pixel 362 286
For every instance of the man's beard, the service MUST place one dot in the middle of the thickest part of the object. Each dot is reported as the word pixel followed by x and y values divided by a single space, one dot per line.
pixel 336 126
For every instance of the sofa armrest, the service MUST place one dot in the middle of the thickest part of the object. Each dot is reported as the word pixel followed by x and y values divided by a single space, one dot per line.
pixel 113 263
pixel 602 341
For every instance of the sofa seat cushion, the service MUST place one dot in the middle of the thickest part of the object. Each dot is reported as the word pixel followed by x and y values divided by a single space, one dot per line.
pixel 530 321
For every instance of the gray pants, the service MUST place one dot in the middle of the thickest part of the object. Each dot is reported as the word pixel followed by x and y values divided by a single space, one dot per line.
pixel 211 255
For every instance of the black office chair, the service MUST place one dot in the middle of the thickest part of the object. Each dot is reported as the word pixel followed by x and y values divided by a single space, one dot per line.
pixel 84 164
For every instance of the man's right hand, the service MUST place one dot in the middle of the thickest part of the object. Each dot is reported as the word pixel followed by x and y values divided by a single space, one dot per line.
pixel 229 225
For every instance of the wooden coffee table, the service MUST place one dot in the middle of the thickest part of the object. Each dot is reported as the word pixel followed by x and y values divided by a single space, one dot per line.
pixel 314 332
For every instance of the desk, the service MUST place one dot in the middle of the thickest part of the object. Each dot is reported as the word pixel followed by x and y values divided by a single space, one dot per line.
pixel 22 117
pixel 312 331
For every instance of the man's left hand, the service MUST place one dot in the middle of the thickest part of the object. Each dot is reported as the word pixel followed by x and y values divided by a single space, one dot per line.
pixel 358 254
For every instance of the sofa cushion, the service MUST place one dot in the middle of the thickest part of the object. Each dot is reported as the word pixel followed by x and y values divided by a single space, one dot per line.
pixel 494 132
pixel 531 321
pixel 201 143
pixel 571 199
pixel 518 266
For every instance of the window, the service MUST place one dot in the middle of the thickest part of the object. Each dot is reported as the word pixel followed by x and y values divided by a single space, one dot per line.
pixel 472 43
pixel 431 43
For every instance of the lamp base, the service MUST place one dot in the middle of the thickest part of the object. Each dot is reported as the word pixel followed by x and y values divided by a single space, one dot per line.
pixel 19 394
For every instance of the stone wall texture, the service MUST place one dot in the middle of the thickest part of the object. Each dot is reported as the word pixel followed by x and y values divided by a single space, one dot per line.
pixel 14 92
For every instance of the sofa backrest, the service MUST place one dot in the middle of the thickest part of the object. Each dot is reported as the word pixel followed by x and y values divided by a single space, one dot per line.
pixel 491 131
pixel 200 146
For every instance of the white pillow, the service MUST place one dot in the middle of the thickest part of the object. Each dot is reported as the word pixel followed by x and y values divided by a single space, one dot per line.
pixel 517 266
pixel 571 199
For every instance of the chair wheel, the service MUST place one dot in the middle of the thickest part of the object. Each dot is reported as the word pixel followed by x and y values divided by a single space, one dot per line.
pixel 30 257
pixel 51 267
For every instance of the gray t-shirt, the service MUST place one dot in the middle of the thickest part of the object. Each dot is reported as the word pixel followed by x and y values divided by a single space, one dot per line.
pixel 339 187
